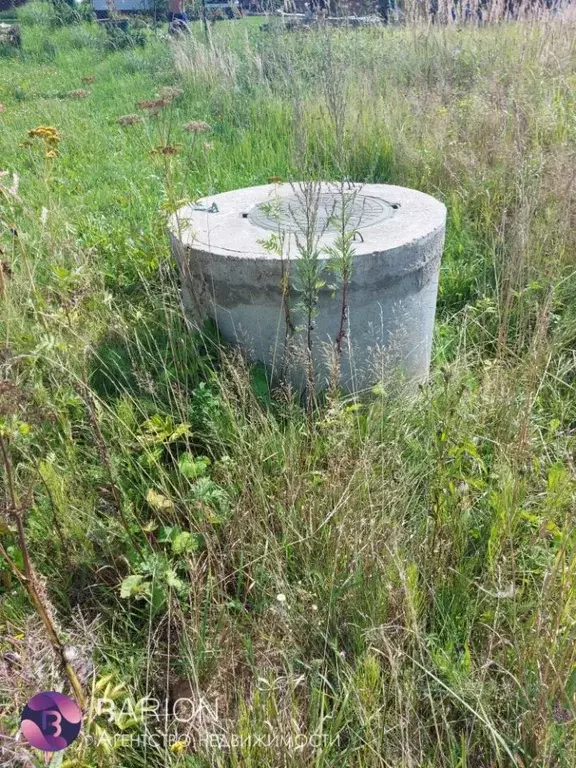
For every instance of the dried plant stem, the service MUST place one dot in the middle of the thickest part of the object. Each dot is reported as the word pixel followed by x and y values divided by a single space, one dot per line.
pixel 289 329
pixel 28 580
pixel 343 317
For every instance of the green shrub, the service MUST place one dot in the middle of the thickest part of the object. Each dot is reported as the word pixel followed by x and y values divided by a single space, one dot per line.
pixel 57 13
pixel 120 38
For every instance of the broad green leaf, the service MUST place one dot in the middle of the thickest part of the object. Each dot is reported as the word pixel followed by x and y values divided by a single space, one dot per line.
pixel 193 468
pixel 157 501
pixel 173 581
pixel 132 585
pixel 184 542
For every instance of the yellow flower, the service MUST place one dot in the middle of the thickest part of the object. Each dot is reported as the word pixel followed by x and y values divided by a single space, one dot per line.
pixel 46 132
pixel 178 747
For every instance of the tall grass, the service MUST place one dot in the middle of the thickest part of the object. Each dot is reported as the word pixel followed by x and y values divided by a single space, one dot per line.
pixel 389 585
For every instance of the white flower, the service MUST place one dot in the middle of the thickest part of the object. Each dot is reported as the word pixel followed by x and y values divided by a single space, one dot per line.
pixel 281 598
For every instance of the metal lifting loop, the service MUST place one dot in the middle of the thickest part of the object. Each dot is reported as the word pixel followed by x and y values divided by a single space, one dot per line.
pixel 208 208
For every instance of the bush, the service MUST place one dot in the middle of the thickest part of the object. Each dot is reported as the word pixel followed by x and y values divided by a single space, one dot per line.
pixel 53 14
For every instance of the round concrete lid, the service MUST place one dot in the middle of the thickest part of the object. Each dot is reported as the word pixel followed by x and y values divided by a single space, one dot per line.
pixel 239 223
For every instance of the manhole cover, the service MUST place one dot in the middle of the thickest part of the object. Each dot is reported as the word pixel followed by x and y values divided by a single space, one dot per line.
pixel 322 214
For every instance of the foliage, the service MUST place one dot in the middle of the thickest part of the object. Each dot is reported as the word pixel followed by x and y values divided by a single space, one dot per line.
pixel 394 574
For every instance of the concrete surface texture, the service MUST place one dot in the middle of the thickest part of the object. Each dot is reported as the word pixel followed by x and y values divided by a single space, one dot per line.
pixel 232 269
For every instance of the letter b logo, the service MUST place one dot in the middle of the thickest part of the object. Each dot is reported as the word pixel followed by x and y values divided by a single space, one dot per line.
pixel 51 721
pixel 56 720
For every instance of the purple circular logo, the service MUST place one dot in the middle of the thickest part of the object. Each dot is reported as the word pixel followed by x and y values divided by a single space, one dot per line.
pixel 51 721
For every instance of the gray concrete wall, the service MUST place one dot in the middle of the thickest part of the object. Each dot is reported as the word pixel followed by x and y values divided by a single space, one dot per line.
pixel 228 275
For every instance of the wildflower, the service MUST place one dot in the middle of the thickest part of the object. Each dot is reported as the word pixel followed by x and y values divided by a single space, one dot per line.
pixel 153 105
pixel 178 747
pixel 45 132
pixel 169 93
pixel 129 119
pixel 196 126
pixel 281 598
pixel 49 136
pixel 168 149
pixel 79 93
pixel 88 79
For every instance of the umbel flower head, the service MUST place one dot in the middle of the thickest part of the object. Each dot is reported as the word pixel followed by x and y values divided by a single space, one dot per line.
pixel 196 126
pixel 169 93
pixel 46 132
pixel 153 106
pixel 168 149
pixel 129 119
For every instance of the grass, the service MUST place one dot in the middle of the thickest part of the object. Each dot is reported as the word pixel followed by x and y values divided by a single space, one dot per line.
pixel 387 584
